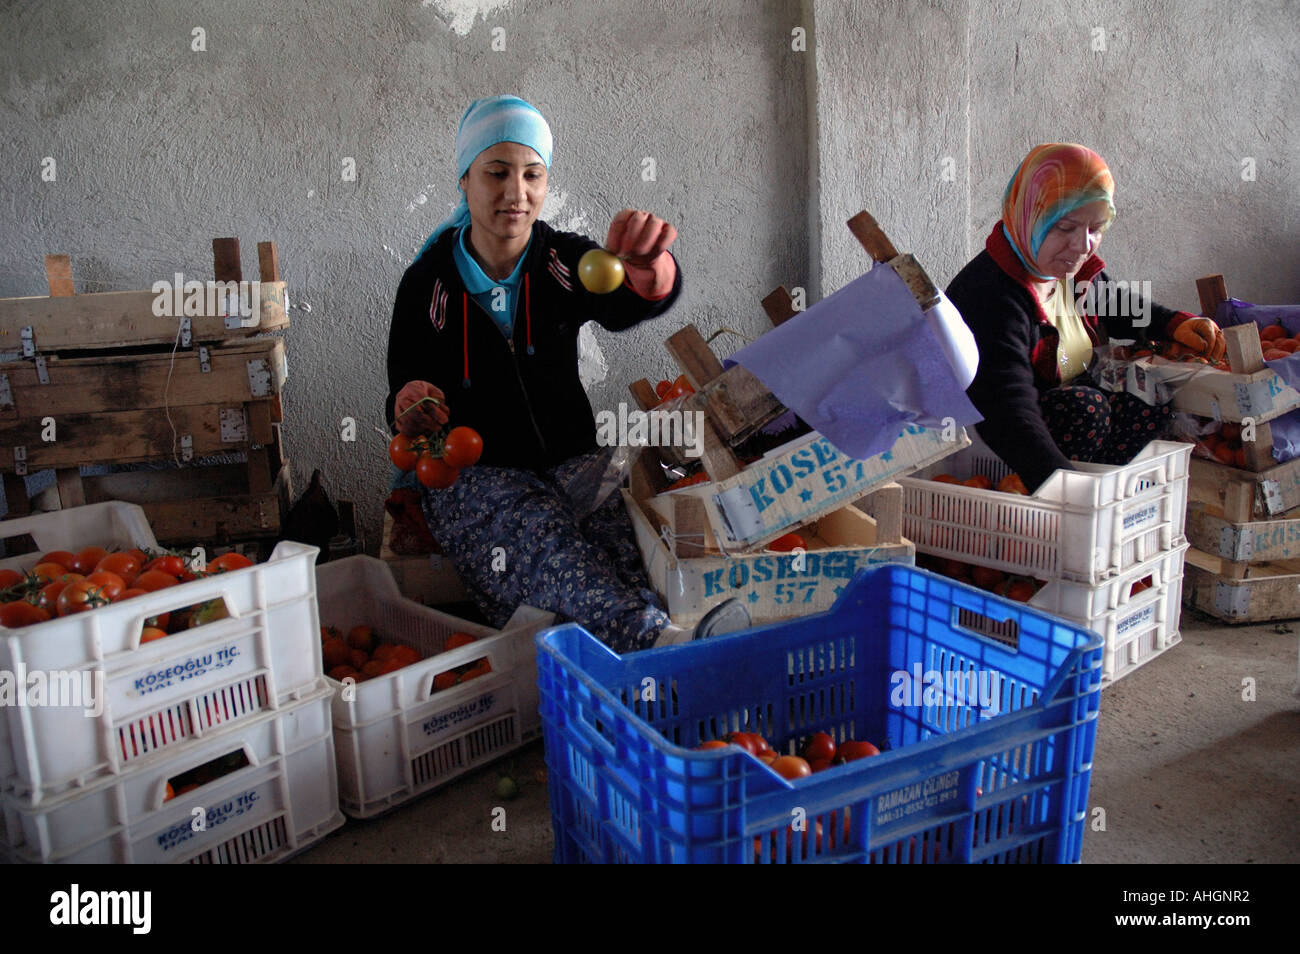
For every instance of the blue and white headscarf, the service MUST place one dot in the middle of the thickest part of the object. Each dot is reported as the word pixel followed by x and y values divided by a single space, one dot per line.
pixel 486 123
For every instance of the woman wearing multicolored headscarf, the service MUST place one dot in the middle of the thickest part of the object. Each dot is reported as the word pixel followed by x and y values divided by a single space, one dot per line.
pixel 1038 302
pixel 486 321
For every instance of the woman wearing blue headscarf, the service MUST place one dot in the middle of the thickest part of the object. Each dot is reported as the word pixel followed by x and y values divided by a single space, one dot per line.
pixel 486 320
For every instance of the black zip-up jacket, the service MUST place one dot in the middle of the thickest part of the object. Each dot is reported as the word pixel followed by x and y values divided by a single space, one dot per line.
pixel 523 396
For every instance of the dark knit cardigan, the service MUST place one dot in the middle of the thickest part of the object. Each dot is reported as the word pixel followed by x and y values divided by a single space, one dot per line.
pixel 1018 350
pixel 522 395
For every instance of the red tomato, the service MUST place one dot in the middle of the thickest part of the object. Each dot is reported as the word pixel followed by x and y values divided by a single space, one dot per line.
pixel 48 572
pixel 852 750
pixel 401 453
pixel 87 559
pixel 711 744
pixel 61 557
pixel 170 564
pixel 151 580
pixel 124 565
pixel 111 584
pixel 787 543
pixel 10 578
pixel 791 767
pixel 456 640
pixel 432 472
pixel 746 740
pixel 662 388
pixel 20 613
pixel 229 561
pixel 80 597
pixel 48 597
pixel 462 448
pixel 150 633
pixel 819 765
pixel 680 388
pixel 820 746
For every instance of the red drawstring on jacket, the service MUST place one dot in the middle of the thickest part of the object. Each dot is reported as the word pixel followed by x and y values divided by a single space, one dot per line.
pixel 464 329
pixel 528 315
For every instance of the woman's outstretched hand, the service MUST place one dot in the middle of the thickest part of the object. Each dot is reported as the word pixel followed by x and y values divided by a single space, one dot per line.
pixel 640 239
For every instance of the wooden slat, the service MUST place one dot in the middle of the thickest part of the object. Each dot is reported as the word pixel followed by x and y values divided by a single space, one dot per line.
pixel 213 518
pixel 1245 356
pixel 268 262
pixel 719 462
pixel 917 281
pixel 693 355
pixel 873 238
pixel 108 383
pixel 260 476
pixel 1239 501
pixel 1259 452
pixel 737 402
pixel 646 478
pixel 71 493
pixel 137 486
pixel 644 394
pixel 118 319
pixel 16 495
pixel 1211 290
pixel 259 422
pixel 779 306
pixel 225 260
pixel 689 523
pixel 886 506
pixel 58 272
pixel 122 437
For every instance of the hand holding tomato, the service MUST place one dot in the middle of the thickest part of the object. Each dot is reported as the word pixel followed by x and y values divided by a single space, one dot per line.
pixel 640 240
pixel 414 418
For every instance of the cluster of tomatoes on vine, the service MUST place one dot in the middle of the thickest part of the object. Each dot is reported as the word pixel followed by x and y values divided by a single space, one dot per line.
pixel 437 459
pixel 64 582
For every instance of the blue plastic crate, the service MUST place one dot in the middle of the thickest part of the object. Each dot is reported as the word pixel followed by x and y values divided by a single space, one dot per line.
pixel 991 768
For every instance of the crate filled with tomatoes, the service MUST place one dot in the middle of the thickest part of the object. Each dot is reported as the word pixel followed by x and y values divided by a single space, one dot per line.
pixel 422 697
pixel 1085 525
pixel 177 409
pixel 265 790
pixel 145 654
pixel 885 730
pixel 800 572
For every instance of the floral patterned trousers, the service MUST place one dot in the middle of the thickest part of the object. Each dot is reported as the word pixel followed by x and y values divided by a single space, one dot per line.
pixel 515 537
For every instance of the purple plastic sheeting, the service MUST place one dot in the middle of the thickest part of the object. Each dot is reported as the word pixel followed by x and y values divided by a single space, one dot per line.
pixel 1233 311
pixel 1286 435
pixel 859 365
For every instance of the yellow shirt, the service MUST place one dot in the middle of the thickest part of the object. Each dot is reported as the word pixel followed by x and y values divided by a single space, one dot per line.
pixel 1074 352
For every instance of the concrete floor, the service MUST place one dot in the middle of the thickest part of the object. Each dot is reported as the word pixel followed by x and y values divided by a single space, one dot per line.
pixel 1184 769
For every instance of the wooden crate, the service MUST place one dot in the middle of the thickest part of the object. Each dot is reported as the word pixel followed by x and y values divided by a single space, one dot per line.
pixel 427 578
pixel 69 403
pixel 746 508
pixel 1242 495
pixel 1270 590
pixel 693 575
pixel 66 322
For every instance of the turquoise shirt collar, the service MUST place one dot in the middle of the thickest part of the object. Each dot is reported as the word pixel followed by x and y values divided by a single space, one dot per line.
pixel 476 280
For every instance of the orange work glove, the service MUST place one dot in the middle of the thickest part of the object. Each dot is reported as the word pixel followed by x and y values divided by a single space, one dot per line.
pixel 424 419
pixel 641 241
pixel 1201 335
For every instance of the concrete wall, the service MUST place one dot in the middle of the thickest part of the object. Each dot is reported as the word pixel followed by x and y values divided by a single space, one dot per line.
pixel 161 148
pixel 918 112
pixel 1175 95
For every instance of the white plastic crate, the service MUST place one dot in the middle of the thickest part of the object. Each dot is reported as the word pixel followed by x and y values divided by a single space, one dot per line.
pixel 285 798
pixel 1085 525
pixel 396 738
pixel 108 524
pixel 1136 627
pixel 157 697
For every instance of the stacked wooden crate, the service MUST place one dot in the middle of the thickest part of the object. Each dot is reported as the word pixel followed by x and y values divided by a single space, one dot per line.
pixel 1243 523
pixel 101 379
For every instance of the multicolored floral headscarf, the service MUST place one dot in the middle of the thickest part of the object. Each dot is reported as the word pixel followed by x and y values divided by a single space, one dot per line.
pixel 1053 180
